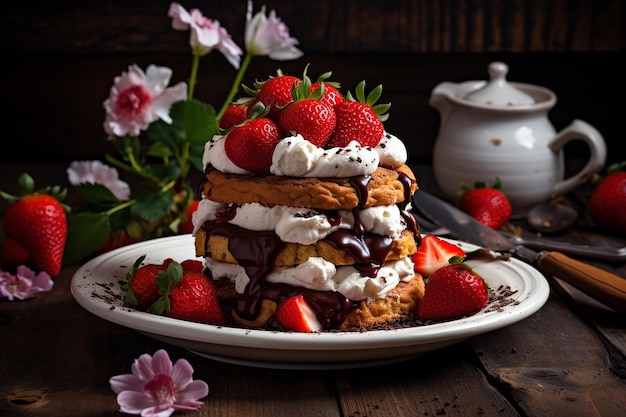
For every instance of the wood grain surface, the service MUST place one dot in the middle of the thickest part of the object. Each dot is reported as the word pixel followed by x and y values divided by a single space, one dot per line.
pixel 567 359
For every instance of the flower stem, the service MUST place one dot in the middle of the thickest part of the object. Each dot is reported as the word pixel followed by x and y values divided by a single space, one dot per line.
pixel 193 76
pixel 235 87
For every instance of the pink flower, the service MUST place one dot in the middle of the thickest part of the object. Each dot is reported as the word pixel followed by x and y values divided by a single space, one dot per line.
pixel 24 284
pixel 206 34
pixel 95 172
pixel 269 36
pixel 138 99
pixel 156 388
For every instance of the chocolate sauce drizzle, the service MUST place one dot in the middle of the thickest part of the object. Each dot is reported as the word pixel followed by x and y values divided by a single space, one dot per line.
pixel 256 252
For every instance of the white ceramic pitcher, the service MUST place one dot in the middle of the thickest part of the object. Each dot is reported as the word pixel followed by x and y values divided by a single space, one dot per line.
pixel 494 128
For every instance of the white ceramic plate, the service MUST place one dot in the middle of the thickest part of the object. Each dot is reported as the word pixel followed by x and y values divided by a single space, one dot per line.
pixel 95 287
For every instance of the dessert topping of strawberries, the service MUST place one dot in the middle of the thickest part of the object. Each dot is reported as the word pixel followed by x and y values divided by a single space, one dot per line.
pixel 489 205
pixel 308 115
pixel 250 146
pixel 434 253
pixel 360 119
pixel 274 93
pixel 451 292
pixel 296 315
pixel 331 94
pixel 235 114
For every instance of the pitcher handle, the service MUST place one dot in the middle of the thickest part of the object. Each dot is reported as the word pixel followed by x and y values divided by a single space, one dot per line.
pixel 581 130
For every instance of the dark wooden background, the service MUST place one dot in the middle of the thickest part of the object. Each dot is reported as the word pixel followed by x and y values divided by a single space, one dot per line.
pixel 60 58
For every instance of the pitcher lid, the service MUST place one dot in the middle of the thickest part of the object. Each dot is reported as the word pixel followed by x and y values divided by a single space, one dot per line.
pixel 497 91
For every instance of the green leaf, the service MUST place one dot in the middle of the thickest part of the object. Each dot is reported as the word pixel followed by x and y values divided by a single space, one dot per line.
pixel 198 120
pixel 160 150
pixel 86 232
pixel 195 157
pixel 167 134
pixel 164 172
pixel 175 271
pixel 374 95
pixel 152 206
pixel 96 194
pixel 120 218
pixel 128 144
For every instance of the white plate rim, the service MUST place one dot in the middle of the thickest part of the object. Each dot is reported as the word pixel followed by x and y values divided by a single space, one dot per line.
pixel 533 292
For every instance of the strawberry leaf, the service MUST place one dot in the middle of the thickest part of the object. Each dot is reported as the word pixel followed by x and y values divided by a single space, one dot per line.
pixel 374 95
pixel 126 145
pixel 199 120
pixel 152 206
pixel 160 150
pixel 166 280
pixel 96 194
pixel 80 244
pixel 164 172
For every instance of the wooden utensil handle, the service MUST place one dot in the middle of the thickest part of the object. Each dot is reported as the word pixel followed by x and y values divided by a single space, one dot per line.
pixel 602 285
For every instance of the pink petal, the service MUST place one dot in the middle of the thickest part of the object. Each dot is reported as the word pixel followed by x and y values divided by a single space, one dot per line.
pixel 180 17
pixel 193 392
pixel 126 382
pixel 142 367
pixel 134 402
pixel 161 363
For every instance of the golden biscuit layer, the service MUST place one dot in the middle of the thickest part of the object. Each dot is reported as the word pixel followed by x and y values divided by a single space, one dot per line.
pixel 384 188
pixel 216 247
pixel 399 302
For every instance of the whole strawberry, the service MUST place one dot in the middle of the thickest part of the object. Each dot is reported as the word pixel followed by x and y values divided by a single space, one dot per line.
pixel 36 220
pixel 607 204
pixel 360 119
pixel 250 146
pixel 188 296
pixel 234 115
pixel 140 287
pixel 451 292
pixel 488 205
pixel 12 254
pixel 274 93
pixel 307 115
pixel 331 94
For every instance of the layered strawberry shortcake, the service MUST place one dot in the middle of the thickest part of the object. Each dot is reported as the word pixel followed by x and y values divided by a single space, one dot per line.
pixel 304 221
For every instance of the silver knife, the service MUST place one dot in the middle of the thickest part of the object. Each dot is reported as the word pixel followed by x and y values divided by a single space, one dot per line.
pixel 609 254
pixel 602 285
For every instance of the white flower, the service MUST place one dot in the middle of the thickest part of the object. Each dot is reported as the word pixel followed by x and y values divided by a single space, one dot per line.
pixel 206 34
pixel 95 172
pixel 269 36
pixel 138 99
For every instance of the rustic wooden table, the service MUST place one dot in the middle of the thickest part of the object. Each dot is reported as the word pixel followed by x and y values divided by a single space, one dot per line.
pixel 568 359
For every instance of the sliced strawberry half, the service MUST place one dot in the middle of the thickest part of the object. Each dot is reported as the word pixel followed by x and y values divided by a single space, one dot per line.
pixel 434 253
pixel 296 315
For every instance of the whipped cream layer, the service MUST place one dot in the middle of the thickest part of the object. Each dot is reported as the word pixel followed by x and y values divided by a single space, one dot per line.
pixel 319 274
pixel 301 225
pixel 295 156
